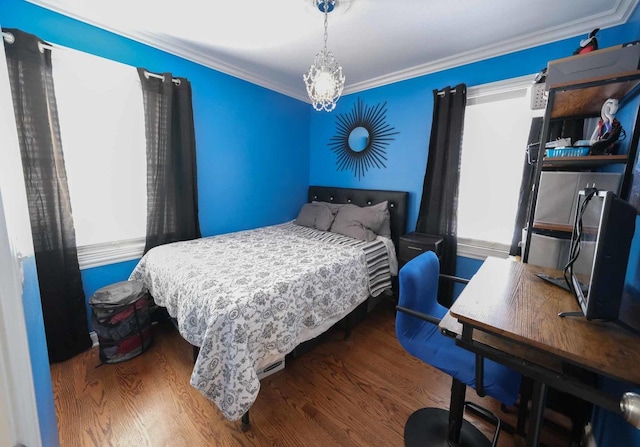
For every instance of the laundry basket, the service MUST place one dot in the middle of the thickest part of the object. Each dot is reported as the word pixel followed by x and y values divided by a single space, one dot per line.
pixel 121 318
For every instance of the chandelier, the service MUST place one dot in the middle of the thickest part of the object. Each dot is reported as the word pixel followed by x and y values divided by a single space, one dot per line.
pixel 324 81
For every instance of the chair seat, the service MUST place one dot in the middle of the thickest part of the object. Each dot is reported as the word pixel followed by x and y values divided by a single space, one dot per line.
pixel 429 345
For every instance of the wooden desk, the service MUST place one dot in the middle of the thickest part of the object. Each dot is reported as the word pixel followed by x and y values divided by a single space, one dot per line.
pixel 508 314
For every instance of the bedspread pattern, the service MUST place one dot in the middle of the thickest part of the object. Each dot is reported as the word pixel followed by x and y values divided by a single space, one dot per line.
pixel 375 253
pixel 248 298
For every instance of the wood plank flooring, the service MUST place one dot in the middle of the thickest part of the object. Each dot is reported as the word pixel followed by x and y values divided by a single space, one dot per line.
pixel 357 392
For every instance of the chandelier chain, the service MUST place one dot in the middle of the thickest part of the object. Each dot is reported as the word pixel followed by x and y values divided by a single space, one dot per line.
pixel 326 22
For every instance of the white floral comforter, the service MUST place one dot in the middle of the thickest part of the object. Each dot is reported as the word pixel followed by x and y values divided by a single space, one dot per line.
pixel 250 297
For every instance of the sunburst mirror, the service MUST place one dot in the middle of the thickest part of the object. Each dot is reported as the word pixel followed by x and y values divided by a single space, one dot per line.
pixel 361 138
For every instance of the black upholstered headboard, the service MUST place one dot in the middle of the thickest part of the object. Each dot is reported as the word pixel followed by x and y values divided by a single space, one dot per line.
pixel 398 203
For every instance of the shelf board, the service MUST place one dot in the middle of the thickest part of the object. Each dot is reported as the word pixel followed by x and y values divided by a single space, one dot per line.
pixel 552 227
pixel 571 100
pixel 586 162
pixel 560 228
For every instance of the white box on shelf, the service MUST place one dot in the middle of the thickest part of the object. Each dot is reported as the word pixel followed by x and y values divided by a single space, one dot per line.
pixel 547 251
pixel 553 252
pixel 603 62
pixel 558 193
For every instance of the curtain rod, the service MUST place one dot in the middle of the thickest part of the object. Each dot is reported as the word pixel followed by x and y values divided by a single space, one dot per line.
pixel 148 74
pixel 441 92
pixel 10 38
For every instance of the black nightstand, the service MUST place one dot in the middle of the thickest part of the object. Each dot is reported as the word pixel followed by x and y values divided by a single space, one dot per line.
pixel 413 244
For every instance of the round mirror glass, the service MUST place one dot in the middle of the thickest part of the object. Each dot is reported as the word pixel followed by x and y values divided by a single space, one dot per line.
pixel 358 139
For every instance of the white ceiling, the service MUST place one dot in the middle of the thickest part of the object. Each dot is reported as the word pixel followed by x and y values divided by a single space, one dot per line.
pixel 272 43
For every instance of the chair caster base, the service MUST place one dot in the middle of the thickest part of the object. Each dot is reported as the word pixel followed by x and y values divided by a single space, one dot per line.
pixel 429 427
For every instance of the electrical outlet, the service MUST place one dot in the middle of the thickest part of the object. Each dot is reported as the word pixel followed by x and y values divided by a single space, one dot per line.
pixel 538 96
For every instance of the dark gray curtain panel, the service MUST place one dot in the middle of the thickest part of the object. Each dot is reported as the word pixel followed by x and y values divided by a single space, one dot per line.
pixel 172 194
pixel 54 240
pixel 438 213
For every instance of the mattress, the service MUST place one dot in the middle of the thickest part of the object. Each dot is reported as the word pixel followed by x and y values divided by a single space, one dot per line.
pixel 248 298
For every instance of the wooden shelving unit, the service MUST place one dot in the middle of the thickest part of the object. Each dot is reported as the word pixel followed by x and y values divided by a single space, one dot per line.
pixel 576 101
pixel 571 100
pixel 586 162
pixel 552 227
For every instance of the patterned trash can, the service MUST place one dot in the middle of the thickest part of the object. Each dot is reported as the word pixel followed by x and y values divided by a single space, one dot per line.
pixel 121 318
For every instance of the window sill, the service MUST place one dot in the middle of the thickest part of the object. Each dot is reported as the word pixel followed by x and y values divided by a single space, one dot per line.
pixel 476 249
pixel 97 255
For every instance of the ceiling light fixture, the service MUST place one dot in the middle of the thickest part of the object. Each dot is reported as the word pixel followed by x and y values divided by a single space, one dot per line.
pixel 324 81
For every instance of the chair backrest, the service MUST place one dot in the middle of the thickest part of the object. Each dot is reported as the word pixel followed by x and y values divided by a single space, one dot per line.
pixel 418 280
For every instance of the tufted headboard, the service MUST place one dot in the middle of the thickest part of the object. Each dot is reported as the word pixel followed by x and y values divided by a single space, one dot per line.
pixel 398 205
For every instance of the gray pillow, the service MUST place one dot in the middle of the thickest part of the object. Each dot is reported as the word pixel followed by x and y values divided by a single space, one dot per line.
pixel 383 207
pixel 334 207
pixel 315 215
pixel 358 222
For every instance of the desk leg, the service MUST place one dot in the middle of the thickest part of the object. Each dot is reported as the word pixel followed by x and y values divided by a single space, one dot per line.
pixel 537 413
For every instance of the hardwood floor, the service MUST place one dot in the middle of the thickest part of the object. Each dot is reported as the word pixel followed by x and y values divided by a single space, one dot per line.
pixel 358 392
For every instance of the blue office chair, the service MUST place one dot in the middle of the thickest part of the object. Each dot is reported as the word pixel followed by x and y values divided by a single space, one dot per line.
pixel 419 314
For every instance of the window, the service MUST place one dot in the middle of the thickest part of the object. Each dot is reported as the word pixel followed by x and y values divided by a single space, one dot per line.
pixel 496 127
pixel 102 126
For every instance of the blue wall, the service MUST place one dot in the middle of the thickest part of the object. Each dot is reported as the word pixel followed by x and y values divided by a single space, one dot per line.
pixel 258 150
pixel 39 356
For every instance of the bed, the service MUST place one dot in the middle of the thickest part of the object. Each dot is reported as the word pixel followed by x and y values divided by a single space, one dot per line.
pixel 248 298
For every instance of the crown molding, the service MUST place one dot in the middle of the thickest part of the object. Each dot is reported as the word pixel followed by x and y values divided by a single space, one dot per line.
pixel 181 50
pixel 618 16
pixel 607 19
pixel 498 87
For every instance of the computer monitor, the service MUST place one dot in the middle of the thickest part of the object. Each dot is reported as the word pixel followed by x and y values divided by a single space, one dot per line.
pixel 603 229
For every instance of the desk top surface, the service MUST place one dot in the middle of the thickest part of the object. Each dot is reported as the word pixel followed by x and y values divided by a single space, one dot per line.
pixel 509 302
